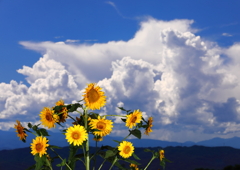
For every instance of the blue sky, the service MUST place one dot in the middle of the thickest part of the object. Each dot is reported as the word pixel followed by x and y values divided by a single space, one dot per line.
pixel 175 60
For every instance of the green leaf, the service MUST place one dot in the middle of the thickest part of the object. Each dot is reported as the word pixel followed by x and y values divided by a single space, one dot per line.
pixel 43 132
pixel 116 141
pixel 55 147
pixel 121 108
pixel 109 153
pixel 35 128
pixel 26 130
pixel 166 160
pixel 30 125
pixel 136 157
pixel 39 161
pixel 31 167
pixel 136 133
pixel 124 120
pixel 74 107
pixel 147 150
pixel 62 163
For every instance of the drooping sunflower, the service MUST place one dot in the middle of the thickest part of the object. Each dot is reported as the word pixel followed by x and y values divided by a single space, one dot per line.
pixel 76 135
pixel 48 118
pixel 126 149
pixel 134 118
pixel 161 153
pixel 94 98
pixel 39 146
pixel 149 126
pixel 64 112
pixel 134 166
pixel 98 138
pixel 103 126
pixel 20 131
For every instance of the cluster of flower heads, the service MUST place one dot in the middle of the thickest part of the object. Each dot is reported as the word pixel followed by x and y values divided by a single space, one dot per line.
pixel 99 126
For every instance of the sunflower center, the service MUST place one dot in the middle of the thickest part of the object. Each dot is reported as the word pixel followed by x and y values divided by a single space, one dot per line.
pixel 134 119
pixel 101 126
pixel 76 135
pixel 49 117
pixel 19 129
pixel 39 147
pixel 93 96
pixel 127 149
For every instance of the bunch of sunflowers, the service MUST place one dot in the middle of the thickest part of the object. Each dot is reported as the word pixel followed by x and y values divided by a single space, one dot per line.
pixel 78 135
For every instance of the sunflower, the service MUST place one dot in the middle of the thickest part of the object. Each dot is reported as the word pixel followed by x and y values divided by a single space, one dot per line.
pixel 161 153
pixel 134 166
pixel 39 145
pixel 94 97
pixel 103 126
pixel 48 117
pixel 76 135
pixel 97 138
pixel 126 149
pixel 149 126
pixel 134 118
pixel 20 131
pixel 64 112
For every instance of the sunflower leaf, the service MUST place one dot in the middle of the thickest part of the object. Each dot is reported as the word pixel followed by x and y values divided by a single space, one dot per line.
pixel 124 120
pixel 147 150
pixel 43 132
pixel 121 108
pixel 62 163
pixel 30 125
pixel 56 147
pixel 109 153
pixel 74 107
pixel 136 157
pixel 116 141
pixel 136 133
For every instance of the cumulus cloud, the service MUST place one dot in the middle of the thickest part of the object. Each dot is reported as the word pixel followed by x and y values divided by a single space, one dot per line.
pixel 189 85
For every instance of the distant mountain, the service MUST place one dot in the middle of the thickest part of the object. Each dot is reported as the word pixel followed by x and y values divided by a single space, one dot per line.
pixel 9 140
pixel 183 158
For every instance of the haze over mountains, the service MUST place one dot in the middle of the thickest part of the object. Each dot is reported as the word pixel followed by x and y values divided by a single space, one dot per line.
pixel 9 140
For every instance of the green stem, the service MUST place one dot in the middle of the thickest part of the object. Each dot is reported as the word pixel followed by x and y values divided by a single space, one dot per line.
pixel 72 118
pixel 102 164
pixel 61 158
pixel 115 159
pixel 153 157
pixel 87 160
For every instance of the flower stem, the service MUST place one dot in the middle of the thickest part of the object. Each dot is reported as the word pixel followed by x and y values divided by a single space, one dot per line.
pixel 153 157
pixel 102 164
pixel 61 158
pixel 87 160
pixel 114 161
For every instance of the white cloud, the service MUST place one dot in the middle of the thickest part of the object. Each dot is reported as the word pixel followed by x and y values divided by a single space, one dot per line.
pixel 226 34
pixel 189 85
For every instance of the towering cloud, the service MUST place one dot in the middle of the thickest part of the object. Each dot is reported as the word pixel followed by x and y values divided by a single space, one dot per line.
pixel 189 85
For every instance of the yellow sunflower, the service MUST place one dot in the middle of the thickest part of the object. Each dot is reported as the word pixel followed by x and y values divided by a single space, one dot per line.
pixel 134 166
pixel 103 126
pixel 20 131
pixel 94 97
pixel 48 118
pixel 39 145
pixel 64 112
pixel 134 118
pixel 98 139
pixel 161 153
pixel 76 135
pixel 149 126
pixel 126 149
